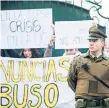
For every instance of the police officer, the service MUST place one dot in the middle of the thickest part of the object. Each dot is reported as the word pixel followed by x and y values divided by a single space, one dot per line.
pixel 89 74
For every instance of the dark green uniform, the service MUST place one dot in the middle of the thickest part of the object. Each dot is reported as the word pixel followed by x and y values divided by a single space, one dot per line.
pixel 89 91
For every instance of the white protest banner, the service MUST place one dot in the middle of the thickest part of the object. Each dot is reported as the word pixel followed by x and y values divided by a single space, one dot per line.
pixel 72 34
pixel 38 83
pixel 25 28
pixel 107 33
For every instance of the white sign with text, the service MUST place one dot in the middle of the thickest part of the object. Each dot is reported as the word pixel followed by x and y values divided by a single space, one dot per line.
pixel 25 28
pixel 72 34
pixel 35 83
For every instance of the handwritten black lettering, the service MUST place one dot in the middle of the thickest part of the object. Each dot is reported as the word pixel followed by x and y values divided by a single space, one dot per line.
pixel 64 41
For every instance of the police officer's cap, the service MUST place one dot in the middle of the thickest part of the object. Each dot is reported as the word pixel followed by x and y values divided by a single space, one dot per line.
pixel 95 33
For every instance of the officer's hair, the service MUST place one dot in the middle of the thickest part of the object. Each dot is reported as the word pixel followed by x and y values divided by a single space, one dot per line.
pixel 103 40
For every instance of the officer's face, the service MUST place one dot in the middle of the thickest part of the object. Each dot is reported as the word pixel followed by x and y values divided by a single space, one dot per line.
pixel 96 45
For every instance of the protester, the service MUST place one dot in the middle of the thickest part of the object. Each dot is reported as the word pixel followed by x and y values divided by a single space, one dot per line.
pixel 35 53
pixel 73 51
pixel 30 53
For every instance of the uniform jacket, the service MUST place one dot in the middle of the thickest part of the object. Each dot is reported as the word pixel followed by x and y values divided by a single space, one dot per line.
pixel 82 83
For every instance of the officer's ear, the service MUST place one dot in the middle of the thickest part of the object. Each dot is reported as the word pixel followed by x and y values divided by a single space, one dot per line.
pixel 103 42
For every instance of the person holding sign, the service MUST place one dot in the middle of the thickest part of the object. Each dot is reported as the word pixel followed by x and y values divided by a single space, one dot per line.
pixel 30 52
pixel 89 74
pixel 48 51
pixel 35 53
